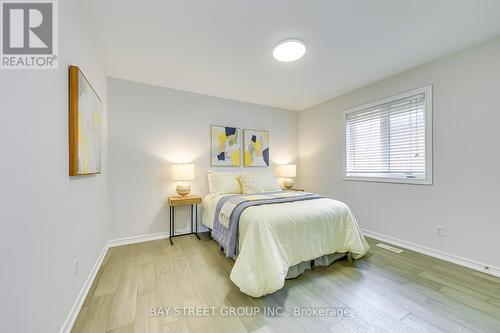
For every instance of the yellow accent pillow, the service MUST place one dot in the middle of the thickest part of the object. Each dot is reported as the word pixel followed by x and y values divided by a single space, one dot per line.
pixel 224 183
pixel 250 183
pixel 255 182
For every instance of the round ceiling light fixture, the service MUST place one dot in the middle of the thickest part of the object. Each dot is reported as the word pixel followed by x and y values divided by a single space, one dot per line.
pixel 289 50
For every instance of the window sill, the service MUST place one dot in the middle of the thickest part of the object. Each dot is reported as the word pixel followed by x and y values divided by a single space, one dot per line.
pixel 407 181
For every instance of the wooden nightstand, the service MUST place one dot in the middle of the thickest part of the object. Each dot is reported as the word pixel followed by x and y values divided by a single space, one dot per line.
pixel 190 200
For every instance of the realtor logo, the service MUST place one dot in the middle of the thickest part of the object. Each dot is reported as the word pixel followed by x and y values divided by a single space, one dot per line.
pixel 29 34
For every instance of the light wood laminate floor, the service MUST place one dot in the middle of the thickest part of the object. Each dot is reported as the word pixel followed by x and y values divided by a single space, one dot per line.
pixel 383 292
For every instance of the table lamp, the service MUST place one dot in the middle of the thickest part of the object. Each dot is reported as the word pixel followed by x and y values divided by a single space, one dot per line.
pixel 287 172
pixel 183 173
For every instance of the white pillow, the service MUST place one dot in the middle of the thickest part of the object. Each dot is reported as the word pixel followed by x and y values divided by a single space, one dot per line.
pixel 259 182
pixel 224 182
pixel 269 181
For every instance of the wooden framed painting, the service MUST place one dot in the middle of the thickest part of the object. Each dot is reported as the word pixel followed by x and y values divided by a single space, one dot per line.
pixel 256 148
pixel 226 146
pixel 85 117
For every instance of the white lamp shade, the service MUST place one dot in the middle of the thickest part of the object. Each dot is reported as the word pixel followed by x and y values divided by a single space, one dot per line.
pixel 288 171
pixel 183 171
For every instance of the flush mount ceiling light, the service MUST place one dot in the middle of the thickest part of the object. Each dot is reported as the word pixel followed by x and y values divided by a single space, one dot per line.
pixel 289 50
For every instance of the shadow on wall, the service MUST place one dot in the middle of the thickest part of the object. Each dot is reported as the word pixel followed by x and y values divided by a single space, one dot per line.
pixel 140 185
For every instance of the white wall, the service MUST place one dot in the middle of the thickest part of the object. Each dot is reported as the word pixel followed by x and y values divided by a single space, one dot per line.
pixel 465 195
pixel 151 127
pixel 47 220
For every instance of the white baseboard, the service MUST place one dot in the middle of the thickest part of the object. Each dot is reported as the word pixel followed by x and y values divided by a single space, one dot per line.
pixel 472 264
pixel 148 237
pixel 70 320
pixel 137 239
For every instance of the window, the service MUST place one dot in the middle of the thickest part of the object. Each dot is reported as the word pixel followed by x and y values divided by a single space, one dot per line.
pixel 391 140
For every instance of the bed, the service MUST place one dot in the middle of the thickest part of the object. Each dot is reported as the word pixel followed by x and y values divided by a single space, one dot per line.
pixel 276 241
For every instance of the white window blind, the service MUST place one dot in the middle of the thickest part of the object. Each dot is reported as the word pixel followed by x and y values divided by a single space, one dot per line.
pixel 390 140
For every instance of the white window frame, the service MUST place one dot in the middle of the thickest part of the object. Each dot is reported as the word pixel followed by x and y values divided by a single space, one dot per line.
pixel 427 90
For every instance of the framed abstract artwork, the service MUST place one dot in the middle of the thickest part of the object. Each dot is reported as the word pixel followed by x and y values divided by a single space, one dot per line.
pixel 85 116
pixel 226 145
pixel 256 148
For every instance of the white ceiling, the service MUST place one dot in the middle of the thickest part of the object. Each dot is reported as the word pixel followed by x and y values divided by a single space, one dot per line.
pixel 224 47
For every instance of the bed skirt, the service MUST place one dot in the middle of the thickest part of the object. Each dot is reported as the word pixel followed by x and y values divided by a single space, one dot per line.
pixel 325 260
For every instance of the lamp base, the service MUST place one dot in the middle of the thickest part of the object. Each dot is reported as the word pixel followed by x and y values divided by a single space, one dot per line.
pixel 288 184
pixel 183 190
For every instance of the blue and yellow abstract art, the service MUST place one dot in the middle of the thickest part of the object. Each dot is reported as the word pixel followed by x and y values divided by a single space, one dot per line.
pixel 226 146
pixel 256 151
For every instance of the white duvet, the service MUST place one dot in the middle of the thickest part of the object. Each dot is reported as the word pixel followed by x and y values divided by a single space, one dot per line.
pixel 274 237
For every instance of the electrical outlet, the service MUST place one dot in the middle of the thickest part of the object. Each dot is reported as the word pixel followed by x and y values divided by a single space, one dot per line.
pixel 75 267
pixel 441 232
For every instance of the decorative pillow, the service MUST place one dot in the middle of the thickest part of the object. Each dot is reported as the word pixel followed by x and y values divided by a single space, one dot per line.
pixel 224 182
pixel 259 182
pixel 250 183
